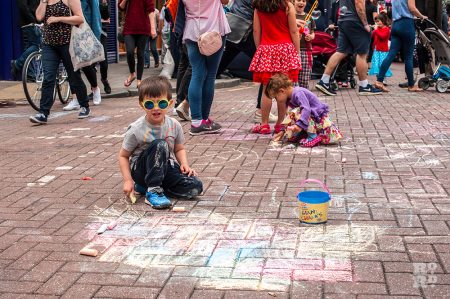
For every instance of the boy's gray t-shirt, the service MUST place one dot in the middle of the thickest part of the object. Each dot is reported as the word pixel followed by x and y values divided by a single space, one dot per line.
pixel 141 133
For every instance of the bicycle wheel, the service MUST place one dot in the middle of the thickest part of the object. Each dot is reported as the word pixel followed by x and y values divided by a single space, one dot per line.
pixel 63 86
pixel 32 77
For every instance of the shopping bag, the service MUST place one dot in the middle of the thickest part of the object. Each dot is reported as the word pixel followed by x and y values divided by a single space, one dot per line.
pixel 85 49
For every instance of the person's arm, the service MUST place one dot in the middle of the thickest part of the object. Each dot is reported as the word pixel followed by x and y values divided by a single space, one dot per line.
pixel 40 11
pixel 413 9
pixel 122 4
pixel 256 29
pixel 293 30
pixel 152 24
pixel 75 19
pixel 180 154
pixel 124 165
pixel 360 6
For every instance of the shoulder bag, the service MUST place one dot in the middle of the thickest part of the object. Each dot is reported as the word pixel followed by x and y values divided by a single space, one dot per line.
pixel 209 42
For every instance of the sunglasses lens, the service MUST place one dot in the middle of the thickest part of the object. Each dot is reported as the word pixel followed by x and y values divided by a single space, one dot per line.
pixel 149 105
pixel 163 104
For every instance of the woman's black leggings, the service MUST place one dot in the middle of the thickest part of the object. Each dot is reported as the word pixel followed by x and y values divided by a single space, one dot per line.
pixel 133 41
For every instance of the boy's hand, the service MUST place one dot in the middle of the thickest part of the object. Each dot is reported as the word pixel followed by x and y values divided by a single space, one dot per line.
pixel 185 169
pixel 128 187
pixel 300 23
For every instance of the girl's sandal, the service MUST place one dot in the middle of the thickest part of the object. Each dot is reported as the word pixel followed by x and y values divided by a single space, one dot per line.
pixel 128 81
pixel 313 142
pixel 261 129
pixel 381 87
pixel 279 128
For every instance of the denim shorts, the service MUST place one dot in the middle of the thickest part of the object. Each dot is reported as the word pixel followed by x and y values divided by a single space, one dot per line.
pixel 353 38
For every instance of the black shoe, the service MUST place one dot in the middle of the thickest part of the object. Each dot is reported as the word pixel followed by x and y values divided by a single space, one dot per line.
pixel 147 66
pixel 369 90
pixel 106 86
pixel 39 118
pixel 84 112
pixel 156 65
pixel 14 70
pixel 91 96
pixel 325 88
pixel 403 85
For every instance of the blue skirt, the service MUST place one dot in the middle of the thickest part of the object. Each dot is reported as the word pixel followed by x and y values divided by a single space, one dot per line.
pixel 377 60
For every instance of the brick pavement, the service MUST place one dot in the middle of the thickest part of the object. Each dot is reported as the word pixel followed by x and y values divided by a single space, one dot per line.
pixel 241 239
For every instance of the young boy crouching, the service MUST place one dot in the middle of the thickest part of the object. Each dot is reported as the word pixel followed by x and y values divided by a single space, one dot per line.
pixel 152 158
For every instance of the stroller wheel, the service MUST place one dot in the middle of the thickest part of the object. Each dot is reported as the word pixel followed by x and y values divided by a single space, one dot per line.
pixel 335 86
pixel 441 85
pixel 352 83
pixel 424 83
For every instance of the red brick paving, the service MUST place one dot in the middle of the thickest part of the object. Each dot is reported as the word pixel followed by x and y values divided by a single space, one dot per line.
pixel 391 206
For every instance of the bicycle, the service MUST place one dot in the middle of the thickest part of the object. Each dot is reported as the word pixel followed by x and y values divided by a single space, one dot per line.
pixel 33 76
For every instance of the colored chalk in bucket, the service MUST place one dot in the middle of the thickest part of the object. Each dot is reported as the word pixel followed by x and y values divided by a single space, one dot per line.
pixel 313 207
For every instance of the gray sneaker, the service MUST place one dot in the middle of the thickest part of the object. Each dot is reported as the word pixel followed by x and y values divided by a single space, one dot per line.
pixel 215 127
pixel 204 128
pixel 84 112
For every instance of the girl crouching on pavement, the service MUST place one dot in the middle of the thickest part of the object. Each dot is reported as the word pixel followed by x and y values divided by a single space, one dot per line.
pixel 308 115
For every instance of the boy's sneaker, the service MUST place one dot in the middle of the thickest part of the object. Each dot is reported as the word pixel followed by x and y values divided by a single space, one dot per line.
pixel 84 112
pixel 325 88
pixel 369 90
pixel 157 200
pixel 73 105
pixel 140 189
pixel 39 118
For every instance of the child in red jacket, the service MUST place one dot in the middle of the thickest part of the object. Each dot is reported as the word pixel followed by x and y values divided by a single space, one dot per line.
pixel 381 44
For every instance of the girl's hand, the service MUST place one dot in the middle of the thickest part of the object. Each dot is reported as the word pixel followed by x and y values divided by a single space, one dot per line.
pixel 52 20
pixel 308 37
pixel 185 169
pixel 128 187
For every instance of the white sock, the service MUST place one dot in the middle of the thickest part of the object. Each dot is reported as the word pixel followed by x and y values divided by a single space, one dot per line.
pixel 325 78
pixel 363 83
pixel 196 122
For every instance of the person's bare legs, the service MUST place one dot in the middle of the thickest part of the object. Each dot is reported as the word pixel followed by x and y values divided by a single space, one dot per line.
pixel 266 106
pixel 334 60
pixel 361 66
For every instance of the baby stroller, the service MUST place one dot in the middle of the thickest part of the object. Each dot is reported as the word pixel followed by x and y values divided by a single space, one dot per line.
pixel 436 52
pixel 323 46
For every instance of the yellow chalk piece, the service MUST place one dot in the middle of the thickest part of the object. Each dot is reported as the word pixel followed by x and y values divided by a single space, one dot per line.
pixel 178 209
pixel 132 198
pixel 89 252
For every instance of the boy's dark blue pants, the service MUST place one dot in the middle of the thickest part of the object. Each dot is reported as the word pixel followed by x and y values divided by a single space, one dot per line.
pixel 153 168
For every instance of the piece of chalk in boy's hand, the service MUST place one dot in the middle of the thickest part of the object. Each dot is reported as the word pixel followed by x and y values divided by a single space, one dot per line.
pixel 89 252
pixel 132 197
pixel 178 209
pixel 102 229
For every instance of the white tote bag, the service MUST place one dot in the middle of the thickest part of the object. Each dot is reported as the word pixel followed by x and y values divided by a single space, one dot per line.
pixel 85 49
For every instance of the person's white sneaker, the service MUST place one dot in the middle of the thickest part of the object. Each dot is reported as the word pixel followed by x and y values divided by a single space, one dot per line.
pixel 258 118
pixel 183 114
pixel 73 105
pixel 97 99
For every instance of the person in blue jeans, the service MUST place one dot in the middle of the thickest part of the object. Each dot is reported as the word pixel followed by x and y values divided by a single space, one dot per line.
pixel 403 36
pixel 31 34
pixel 204 68
pixel 151 45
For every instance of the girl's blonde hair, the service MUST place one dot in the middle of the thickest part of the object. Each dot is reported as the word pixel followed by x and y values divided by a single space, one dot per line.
pixel 277 82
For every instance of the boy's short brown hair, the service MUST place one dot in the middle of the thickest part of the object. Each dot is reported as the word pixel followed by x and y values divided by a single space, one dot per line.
pixel 277 82
pixel 154 87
